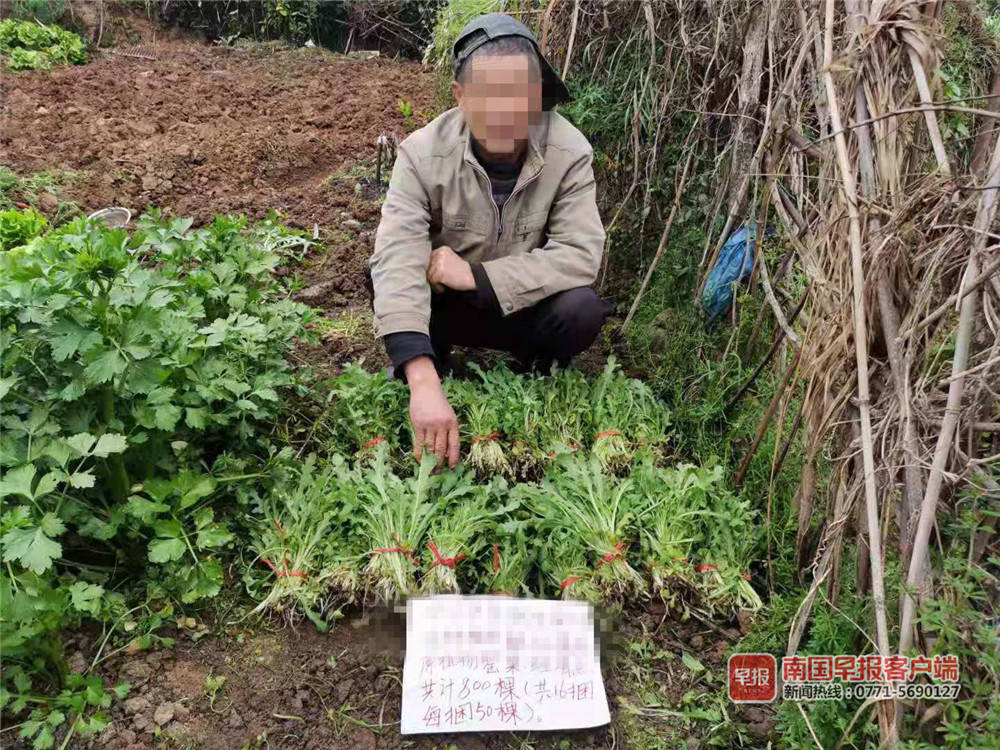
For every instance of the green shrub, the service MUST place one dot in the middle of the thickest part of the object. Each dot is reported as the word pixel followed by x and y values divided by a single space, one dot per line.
pixel 131 362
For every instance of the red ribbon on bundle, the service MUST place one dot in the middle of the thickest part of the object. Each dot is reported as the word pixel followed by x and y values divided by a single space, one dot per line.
pixel 496 558
pixel 283 573
pixel 606 433
pixel 569 582
pixel 439 560
pixel 703 568
pixel 746 575
pixel 611 555
pixel 493 436
pixel 373 442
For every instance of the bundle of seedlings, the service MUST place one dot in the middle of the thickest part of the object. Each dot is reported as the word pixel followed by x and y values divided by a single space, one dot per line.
pixel 289 539
pixel 592 510
pixel 370 409
pixel 519 404
pixel 465 513
pixel 567 409
pixel 395 514
pixel 565 569
pixel 722 554
pixel 624 412
pixel 510 560
pixel 479 417
pixel 673 520
pixel 608 418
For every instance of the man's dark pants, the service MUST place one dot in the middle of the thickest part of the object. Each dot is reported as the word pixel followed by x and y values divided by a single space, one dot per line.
pixel 556 328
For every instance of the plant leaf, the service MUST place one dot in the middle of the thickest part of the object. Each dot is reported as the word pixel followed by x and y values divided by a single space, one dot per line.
pixel 86 597
pixel 32 548
pixel 109 443
pixel 165 550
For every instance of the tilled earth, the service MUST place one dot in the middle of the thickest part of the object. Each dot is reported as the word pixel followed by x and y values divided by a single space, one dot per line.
pixel 205 129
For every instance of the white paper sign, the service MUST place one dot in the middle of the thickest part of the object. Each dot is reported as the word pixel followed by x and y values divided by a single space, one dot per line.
pixel 495 663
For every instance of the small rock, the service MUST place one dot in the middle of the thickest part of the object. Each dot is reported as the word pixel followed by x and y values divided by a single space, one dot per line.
pixel 149 182
pixel 137 704
pixel 137 671
pixel 344 690
pixel 697 641
pixel 183 151
pixel 761 729
pixel 745 619
pixel 364 739
pixel 77 663
pixel 164 713
pixel 143 127
pixel 141 722
pixel 351 223
pixel 48 203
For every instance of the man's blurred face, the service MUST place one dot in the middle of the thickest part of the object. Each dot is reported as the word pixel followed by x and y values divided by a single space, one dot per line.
pixel 501 97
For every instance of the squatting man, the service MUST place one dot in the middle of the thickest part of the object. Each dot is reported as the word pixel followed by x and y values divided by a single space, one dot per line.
pixel 489 235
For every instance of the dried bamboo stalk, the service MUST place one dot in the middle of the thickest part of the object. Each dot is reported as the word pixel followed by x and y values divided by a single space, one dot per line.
pixel 887 719
pixel 917 573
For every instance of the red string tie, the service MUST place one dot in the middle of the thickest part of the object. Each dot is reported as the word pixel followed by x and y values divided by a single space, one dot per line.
pixel 569 582
pixel 746 575
pixel 606 433
pixel 703 568
pixel 616 553
pixel 439 560
pixel 283 573
pixel 373 442
pixel 401 550
pixel 484 438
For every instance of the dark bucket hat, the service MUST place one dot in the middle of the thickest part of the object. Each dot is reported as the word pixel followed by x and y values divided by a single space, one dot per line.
pixel 490 26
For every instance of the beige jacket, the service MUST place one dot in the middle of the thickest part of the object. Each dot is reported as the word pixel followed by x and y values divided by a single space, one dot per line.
pixel 549 237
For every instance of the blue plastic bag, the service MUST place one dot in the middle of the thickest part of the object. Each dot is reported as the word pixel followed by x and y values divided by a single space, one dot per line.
pixel 735 264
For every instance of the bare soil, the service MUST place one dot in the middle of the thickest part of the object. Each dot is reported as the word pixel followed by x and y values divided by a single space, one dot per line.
pixel 291 687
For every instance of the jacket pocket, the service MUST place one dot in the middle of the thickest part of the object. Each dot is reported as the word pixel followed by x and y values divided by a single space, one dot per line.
pixel 531 223
pixel 465 232
pixel 465 222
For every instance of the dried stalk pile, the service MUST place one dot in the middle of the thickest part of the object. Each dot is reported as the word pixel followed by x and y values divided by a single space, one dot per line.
pixel 822 117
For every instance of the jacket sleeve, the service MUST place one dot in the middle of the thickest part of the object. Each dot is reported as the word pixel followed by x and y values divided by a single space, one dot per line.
pixel 402 296
pixel 572 255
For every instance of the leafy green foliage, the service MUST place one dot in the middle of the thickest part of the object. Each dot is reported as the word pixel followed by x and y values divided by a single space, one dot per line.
pixel 18 227
pixel 122 352
pixel 304 538
pixel 29 45
pixel 592 511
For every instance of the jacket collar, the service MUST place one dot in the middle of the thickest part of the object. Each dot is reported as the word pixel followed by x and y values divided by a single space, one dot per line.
pixel 533 160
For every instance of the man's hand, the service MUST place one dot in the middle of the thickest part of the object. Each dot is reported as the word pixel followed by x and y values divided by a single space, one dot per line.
pixel 446 269
pixel 434 423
